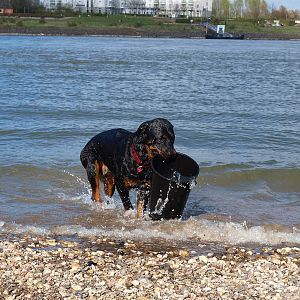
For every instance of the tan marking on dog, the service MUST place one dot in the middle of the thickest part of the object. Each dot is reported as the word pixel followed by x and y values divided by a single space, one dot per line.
pixel 151 151
pixel 109 184
pixel 96 191
pixel 105 169
pixel 131 183
pixel 139 206
pixel 139 210
pixel 140 201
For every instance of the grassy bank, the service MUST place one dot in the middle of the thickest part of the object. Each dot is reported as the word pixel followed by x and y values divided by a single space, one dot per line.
pixel 250 26
pixel 138 25
pixel 102 22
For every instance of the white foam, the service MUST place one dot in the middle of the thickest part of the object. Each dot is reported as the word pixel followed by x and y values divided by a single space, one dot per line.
pixel 109 203
pixel 23 229
pixel 191 230
pixel 235 233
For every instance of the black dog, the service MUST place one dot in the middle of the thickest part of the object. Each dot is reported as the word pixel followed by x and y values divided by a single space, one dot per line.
pixel 121 159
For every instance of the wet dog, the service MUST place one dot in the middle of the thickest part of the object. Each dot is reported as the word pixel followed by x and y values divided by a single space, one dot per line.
pixel 121 159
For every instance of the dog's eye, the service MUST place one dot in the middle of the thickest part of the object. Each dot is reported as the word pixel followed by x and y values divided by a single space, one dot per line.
pixel 151 142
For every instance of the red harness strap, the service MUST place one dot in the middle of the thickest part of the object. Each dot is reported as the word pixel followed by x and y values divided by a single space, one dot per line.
pixel 137 160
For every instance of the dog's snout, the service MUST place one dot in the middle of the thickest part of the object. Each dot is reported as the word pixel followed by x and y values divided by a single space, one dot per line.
pixel 170 153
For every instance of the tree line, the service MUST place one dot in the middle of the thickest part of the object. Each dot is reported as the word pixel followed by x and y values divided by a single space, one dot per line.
pixel 221 9
pixel 252 9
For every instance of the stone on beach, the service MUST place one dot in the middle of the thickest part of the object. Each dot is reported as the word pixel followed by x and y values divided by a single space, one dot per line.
pixel 68 270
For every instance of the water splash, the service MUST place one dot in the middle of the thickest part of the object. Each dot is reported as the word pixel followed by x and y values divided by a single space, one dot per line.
pixel 192 230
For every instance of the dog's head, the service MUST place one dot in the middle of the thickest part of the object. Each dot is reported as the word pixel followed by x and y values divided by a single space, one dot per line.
pixel 157 136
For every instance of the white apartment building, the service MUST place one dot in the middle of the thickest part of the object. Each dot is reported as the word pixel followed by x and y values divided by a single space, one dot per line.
pixel 171 8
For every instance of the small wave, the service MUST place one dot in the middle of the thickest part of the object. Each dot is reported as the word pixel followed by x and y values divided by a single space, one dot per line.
pixel 225 175
pixel 36 172
pixel 35 188
pixel 10 132
pixel 34 184
pixel 279 179
pixel 191 230
pixel 13 228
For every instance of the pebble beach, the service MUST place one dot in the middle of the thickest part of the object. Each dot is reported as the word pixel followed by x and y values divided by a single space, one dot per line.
pixel 53 268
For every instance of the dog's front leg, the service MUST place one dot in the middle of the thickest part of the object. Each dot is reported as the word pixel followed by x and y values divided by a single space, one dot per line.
pixel 142 200
pixel 124 195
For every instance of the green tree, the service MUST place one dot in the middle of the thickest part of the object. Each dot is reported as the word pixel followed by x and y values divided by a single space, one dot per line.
pixel 253 8
pixel 283 13
pixel 294 14
pixel 226 5
pixel 221 8
pixel 237 8
pixel 264 10
pixel 217 8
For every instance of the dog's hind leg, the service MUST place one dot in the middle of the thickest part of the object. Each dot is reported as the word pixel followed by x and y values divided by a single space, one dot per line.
pixel 109 184
pixel 93 173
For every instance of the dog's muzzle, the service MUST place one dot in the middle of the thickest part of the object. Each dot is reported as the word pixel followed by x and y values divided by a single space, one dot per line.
pixel 168 154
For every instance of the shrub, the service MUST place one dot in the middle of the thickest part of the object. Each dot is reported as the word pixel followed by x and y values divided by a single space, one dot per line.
pixel 42 20
pixel 138 24
pixel 183 20
pixel 20 24
pixel 230 26
pixel 72 24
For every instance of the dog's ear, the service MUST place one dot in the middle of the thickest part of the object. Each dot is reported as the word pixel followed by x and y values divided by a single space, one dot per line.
pixel 142 133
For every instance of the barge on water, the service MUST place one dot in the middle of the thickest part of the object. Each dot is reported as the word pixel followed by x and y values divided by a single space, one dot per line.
pixel 217 32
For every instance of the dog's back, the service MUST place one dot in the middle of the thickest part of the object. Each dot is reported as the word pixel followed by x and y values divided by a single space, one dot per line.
pixel 106 146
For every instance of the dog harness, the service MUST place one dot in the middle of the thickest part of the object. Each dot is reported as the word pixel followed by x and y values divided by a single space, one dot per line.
pixel 140 166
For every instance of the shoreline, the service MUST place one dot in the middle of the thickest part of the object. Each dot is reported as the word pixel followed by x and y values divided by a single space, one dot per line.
pixel 36 267
pixel 132 32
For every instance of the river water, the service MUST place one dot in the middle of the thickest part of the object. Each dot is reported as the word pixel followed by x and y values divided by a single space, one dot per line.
pixel 235 106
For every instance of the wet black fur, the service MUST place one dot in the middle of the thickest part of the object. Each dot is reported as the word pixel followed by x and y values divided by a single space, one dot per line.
pixel 113 148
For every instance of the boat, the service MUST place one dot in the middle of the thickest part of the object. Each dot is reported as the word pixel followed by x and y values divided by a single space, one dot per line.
pixel 217 32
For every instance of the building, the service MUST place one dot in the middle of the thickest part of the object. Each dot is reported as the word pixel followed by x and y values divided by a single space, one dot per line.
pixel 6 11
pixel 56 4
pixel 6 8
pixel 170 8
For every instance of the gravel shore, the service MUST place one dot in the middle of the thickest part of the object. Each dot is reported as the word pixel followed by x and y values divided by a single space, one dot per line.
pixel 48 268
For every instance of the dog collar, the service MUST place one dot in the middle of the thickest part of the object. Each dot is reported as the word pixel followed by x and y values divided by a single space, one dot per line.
pixel 140 166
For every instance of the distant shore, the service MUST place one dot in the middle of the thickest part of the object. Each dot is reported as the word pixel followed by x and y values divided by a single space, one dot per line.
pixel 38 267
pixel 139 26
pixel 133 32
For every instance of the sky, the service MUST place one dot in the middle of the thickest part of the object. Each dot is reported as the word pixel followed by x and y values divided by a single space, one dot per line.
pixel 290 4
